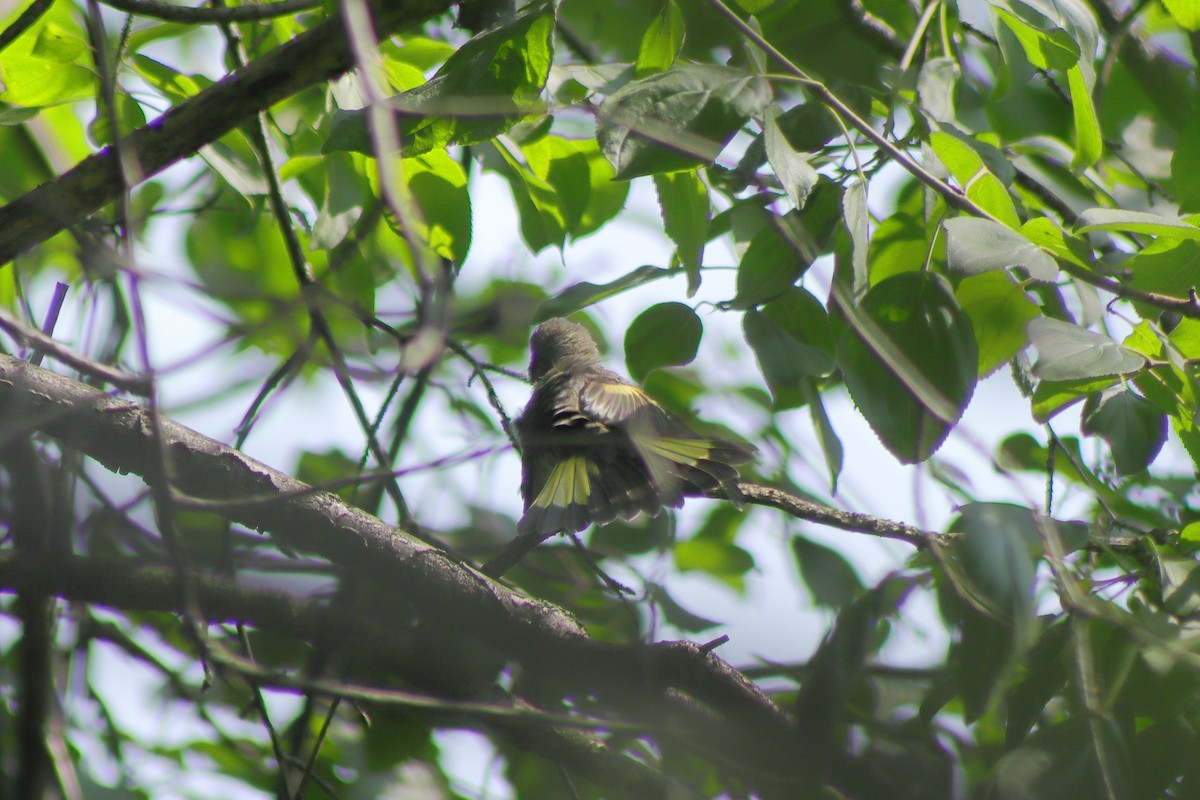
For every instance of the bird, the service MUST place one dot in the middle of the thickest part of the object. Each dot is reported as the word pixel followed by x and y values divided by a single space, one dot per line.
pixel 596 446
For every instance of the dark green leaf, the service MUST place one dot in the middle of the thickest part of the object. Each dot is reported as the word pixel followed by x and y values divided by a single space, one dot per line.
pixel 910 362
pixel 792 341
pixel 664 335
pixel 677 615
pixel 482 90
pixel 582 295
pixel 771 264
pixel 677 119
pixel 826 572
pixel 1134 429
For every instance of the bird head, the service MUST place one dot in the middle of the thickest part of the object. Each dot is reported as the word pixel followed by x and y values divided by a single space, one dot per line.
pixel 557 344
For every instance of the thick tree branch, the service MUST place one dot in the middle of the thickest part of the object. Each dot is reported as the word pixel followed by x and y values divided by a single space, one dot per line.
pixel 174 13
pixel 313 57
pixel 442 593
pixel 553 736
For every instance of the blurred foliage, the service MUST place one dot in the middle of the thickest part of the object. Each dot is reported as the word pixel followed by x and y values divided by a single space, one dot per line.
pixel 1033 176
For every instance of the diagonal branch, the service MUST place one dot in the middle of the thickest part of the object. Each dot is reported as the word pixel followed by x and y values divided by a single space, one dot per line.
pixel 313 57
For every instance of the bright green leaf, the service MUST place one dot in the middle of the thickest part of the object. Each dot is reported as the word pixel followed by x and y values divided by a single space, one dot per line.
pixel 661 42
pixel 979 183
pixel 1088 142
pixel 1045 50
pixel 683 201
pixel 999 310
pixel 1184 12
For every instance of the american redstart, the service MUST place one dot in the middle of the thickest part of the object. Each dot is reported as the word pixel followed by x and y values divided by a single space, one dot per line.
pixel 596 447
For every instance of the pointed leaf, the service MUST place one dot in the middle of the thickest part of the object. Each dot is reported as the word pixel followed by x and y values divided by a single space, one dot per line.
pixel 910 362
pixel 677 119
pixel 1067 352
pixel 976 245
pixel 1134 429
pixel 792 168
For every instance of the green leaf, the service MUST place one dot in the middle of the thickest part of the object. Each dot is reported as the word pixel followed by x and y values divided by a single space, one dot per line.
pixel 586 197
pixel 1088 142
pixel 345 191
pixel 854 211
pixel 829 577
pixel 935 88
pixel 683 201
pixel 174 85
pixel 40 68
pixel 661 42
pixel 677 119
pixel 910 361
pixel 1056 761
pixel 831 445
pixel 993 571
pixel 791 167
pixel 1045 233
pixel 900 242
pixel 582 295
pixel 999 310
pixel 725 561
pixel 1051 397
pixel 974 246
pixel 440 203
pixel 664 335
pixel 130 116
pixel 482 90
pixel 677 615
pixel 1116 219
pixel 1045 50
pixel 539 206
pixel 997 550
pixel 979 183
pixel 1044 677
pixel 770 265
pixel 1134 429
pixel 1067 352
pixel 792 341
pixel 1185 162
pixel 1185 12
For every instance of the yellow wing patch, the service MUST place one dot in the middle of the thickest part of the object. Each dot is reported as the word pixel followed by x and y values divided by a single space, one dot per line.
pixel 568 484
pixel 681 451
pixel 616 401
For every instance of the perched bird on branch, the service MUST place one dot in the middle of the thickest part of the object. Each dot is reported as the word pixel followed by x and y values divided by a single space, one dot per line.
pixel 596 447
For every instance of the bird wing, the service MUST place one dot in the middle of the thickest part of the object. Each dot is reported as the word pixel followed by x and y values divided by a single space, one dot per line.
pixel 598 448
pixel 678 460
